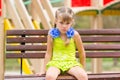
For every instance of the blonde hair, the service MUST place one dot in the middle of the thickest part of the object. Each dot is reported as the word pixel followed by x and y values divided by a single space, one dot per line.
pixel 66 15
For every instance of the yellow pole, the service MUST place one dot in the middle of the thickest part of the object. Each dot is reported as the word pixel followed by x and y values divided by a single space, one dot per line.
pixel 2 46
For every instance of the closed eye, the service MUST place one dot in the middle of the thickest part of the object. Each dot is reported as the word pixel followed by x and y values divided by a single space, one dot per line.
pixel 61 23
pixel 68 23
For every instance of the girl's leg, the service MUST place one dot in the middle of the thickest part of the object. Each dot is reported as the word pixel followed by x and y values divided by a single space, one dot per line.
pixel 78 72
pixel 52 73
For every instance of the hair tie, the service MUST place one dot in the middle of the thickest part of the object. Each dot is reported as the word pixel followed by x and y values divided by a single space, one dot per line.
pixel 54 32
pixel 70 32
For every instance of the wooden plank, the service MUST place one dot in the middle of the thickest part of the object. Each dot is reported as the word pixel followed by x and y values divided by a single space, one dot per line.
pixel 2 43
pixel 26 55
pixel 26 32
pixel 100 39
pixel 24 14
pixel 99 32
pixel 103 54
pixel 34 14
pixel 103 76
pixel 81 32
pixel 98 47
pixel 38 7
pixel 92 47
pixel 67 3
pixel 26 47
pixel 42 55
pixel 14 14
pixel 38 39
pixel 96 3
pixel 48 7
pixel 27 40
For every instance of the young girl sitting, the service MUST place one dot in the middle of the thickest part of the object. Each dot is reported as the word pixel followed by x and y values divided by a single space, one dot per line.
pixel 62 42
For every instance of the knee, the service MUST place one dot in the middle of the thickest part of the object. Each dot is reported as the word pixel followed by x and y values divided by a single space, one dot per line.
pixel 50 77
pixel 83 77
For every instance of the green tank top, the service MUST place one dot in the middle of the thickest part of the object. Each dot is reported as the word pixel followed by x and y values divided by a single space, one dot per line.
pixel 63 52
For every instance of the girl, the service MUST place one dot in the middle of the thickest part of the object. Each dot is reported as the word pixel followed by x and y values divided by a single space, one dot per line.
pixel 61 48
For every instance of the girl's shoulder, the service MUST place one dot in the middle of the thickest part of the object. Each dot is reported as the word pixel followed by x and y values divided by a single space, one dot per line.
pixel 76 34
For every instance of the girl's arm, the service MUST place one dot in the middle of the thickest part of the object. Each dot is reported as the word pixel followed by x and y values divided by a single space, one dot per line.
pixel 48 54
pixel 80 48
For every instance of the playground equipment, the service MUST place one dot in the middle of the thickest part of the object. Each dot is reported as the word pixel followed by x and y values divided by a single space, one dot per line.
pixel 81 3
pixel 22 20
pixel 111 8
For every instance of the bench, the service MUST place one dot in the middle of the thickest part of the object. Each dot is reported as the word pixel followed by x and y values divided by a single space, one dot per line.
pixel 103 43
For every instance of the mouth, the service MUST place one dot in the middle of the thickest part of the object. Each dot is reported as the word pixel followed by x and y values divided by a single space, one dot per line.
pixel 64 30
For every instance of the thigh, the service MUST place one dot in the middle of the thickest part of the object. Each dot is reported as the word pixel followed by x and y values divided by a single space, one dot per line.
pixel 53 71
pixel 78 72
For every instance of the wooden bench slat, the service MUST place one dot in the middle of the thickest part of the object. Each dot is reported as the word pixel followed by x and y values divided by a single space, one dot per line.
pixel 99 32
pixel 42 55
pixel 43 47
pixel 25 47
pixel 103 76
pixel 25 55
pixel 101 39
pixel 82 32
pixel 103 54
pixel 44 39
pixel 102 47
pixel 27 40
pixel 26 32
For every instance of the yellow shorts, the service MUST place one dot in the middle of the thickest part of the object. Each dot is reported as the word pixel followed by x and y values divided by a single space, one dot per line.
pixel 64 66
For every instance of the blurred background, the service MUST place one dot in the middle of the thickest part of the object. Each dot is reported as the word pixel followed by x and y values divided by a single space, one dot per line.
pixel 88 15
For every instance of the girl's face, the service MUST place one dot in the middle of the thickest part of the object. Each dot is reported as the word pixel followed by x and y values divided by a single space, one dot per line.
pixel 63 26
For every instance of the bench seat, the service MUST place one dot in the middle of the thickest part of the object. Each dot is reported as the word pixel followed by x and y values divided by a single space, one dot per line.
pixel 100 76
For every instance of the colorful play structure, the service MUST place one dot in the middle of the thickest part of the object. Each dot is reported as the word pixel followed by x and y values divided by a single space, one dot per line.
pixel 14 15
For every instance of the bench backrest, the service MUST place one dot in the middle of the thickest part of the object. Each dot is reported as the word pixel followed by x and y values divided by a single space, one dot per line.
pixel 32 43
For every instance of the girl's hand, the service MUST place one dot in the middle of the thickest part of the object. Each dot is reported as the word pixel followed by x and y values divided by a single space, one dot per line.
pixel 41 73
